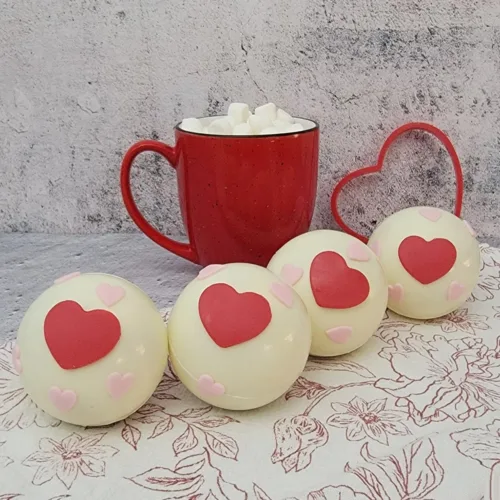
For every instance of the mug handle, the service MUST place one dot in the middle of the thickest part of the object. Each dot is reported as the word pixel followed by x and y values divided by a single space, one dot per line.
pixel 184 250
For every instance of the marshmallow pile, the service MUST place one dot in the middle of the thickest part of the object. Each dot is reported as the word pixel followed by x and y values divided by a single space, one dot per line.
pixel 266 120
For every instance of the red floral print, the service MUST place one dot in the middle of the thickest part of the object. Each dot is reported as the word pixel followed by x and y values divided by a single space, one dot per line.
pixel 296 440
pixel 70 457
pixel 193 477
pixel 372 420
pixel 16 408
pixel 462 321
pixel 411 415
pixel 443 379
pixel 414 473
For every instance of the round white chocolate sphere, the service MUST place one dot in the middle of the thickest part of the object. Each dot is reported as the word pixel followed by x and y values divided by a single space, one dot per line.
pixel 91 349
pixel 342 285
pixel 430 258
pixel 238 336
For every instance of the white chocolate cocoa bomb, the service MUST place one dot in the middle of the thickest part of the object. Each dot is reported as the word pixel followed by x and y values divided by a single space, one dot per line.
pixel 342 285
pixel 430 258
pixel 238 336
pixel 267 120
pixel 93 349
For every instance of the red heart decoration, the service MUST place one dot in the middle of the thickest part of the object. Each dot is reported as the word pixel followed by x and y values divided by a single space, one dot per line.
pixel 232 318
pixel 334 284
pixel 427 261
pixel 426 127
pixel 77 338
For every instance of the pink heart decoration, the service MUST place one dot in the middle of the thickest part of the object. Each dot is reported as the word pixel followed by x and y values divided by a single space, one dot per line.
pixel 283 293
pixel 291 274
pixel 67 277
pixel 16 359
pixel 470 229
pixel 63 400
pixel 430 213
pixel 375 247
pixel 396 292
pixel 207 385
pixel 110 294
pixel 455 290
pixel 357 251
pixel 210 270
pixel 119 384
pixel 339 334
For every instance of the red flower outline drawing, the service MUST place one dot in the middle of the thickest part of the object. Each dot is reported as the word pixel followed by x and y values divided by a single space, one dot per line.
pixel 482 445
pixel 392 325
pixel 412 473
pixel 443 379
pixel 362 419
pixel 327 493
pixel 337 493
pixel 296 439
pixel 16 407
pixel 66 459
pixel 461 321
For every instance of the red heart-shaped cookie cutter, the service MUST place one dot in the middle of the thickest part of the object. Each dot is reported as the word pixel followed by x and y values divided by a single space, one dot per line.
pixel 426 127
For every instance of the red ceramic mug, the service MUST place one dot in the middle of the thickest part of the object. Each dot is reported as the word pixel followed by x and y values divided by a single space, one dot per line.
pixel 241 197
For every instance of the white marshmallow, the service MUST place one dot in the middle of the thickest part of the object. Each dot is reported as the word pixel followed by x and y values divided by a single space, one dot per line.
pixel 259 123
pixel 270 131
pixel 281 126
pixel 192 125
pixel 238 112
pixel 296 127
pixel 242 129
pixel 268 110
pixel 284 116
pixel 221 126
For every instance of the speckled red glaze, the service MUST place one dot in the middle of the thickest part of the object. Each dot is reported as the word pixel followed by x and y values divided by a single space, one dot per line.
pixel 241 198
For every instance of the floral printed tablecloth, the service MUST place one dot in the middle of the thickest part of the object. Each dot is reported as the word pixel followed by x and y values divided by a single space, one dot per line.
pixel 413 415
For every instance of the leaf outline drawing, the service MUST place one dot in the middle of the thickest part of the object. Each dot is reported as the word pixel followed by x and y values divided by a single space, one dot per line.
pixel 412 473
pixel 193 477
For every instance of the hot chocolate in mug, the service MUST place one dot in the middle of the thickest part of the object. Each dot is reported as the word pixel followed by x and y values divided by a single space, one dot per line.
pixel 241 197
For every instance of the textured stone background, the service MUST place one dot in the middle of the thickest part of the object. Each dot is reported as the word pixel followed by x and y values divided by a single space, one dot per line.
pixel 80 80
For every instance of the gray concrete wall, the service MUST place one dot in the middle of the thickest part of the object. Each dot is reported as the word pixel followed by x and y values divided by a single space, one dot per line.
pixel 80 80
